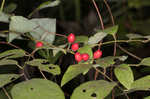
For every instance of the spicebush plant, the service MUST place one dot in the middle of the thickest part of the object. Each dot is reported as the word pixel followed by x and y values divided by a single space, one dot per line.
pixel 87 53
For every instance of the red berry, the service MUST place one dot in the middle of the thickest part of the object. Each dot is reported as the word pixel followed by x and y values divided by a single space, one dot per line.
pixel 71 38
pixel 78 57
pixel 97 54
pixel 85 56
pixel 39 44
pixel 75 46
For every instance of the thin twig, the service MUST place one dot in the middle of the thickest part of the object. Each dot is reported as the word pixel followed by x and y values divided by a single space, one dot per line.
pixel 6 93
pixel 134 56
pixel 99 15
pixel 2 5
pixel 43 75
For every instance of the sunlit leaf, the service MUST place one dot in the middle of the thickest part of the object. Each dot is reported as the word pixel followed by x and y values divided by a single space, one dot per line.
pixel 37 89
pixel 7 62
pixel 7 78
pixel 15 53
pixel 141 84
pixel 73 71
pixel 111 30
pixel 49 4
pixel 125 75
pixel 145 61
pixel 97 37
pixel 97 89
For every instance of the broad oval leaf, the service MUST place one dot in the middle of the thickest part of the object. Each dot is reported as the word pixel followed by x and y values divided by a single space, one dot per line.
pixel 86 49
pixel 44 65
pixel 125 75
pixel 19 25
pixel 37 89
pixel 109 60
pixel 97 37
pixel 145 61
pixel 7 78
pixel 97 89
pixel 141 84
pixel 73 71
pixel 14 53
pixel 46 29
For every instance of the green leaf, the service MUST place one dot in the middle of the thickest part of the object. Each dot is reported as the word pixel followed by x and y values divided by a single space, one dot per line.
pixel 125 75
pixel 73 71
pixel 10 8
pixel 97 37
pixel 37 62
pixel 97 89
pixel 141 84
pixel 15 53
pixel 7 62
pixel 37 89
pixel 19 25
pixel 147 97
pixel 46 29
pixel 134 36
pixel 51 68
pixel 145 61
pixel 81 39
pixel 109 61
pixel 44 65
pixel 7 78
pixel 86 49
pixel 59 48
pixel 49 4
pixel 111 30
pixel 4 17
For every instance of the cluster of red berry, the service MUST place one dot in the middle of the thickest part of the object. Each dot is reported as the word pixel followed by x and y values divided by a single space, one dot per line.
pixel 75 46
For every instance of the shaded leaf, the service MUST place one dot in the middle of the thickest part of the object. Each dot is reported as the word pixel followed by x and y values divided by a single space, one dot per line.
pixel 37 89
pixel 46 29
pixel 109 60
pixel 10 8
pixel 73 71
pixel 37 62
pixel 7 78
pixel 125 75
pixel 145 61
pixel 141 84
pixel 98 89
pixel 97 37
pixel 134 36
pixel 15 53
